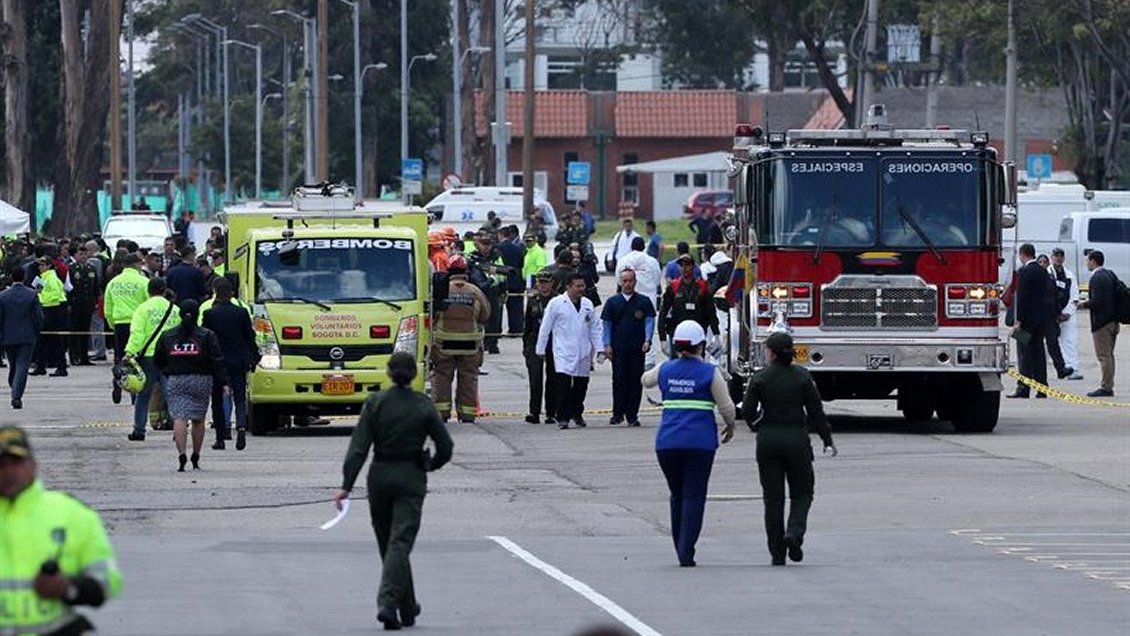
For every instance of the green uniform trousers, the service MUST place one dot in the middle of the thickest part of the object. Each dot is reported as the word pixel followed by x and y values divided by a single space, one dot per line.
pixel 396 503
pixel 784 453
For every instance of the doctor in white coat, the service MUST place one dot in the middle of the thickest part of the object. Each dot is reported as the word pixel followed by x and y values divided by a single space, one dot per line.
pixel 648 277
pixel 1068 324
pixel 576 329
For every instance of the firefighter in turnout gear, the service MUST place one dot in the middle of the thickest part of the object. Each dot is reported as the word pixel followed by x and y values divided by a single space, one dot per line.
pixel 458 345
pixel 686 298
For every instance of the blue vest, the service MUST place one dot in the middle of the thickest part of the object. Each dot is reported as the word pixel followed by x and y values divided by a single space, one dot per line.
pixel 688 406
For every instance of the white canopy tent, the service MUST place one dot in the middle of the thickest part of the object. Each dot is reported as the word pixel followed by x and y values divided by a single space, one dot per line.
pixel 13 220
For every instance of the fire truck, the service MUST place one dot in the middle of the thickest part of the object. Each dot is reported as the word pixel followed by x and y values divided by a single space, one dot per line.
pixel 878 250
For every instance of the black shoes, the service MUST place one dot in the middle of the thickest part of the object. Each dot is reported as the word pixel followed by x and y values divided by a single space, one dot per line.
pixel 116 394
pixel 138 437
pixel 408 615
pixel 796 554
pixel 550 420
pixel 387 616
pixel 195 461
pixel 240 439
pixel 59 373
pixel 563 425
pixel 1101 393
pixel 183 459
pixel 634 423
pixel 580 422
pixel 1066 373
pixel 533 419
pixel 38 371
pixel 1018 394
pixel 778 559
pixel 219 445
pixel 615 420
pixel 17 404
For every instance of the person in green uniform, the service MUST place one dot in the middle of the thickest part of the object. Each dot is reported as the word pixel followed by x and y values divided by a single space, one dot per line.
pixel 789 401
pixel 396 423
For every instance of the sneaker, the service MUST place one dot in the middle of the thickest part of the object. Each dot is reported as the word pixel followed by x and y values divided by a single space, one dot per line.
pixel 240 439
pixel 1101 393
pixel 136 437
pixel 533 419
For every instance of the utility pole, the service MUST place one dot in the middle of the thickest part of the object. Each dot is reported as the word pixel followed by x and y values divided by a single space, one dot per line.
pixel 936 73
pixel 528 111
pixel 404 62
pixel 867 94
pixel 456 92
pixel 131 122
pixel 1011 152
pixel 322 137
pixel 115 106
pixel 358 174
pixel 500 136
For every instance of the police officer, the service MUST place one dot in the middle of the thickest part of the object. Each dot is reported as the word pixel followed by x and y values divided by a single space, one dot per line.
pixel 151 319
pixel 486 273
pixel 396 423
pixel 52 348
pixel 688 435
pixel 629 321
pixel 543 376
pixel 686 298
pixel 124 294
pixel 458 346
pixel 54 550
pixel 790 402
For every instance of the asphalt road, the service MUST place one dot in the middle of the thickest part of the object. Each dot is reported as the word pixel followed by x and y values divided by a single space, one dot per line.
pixel 532 530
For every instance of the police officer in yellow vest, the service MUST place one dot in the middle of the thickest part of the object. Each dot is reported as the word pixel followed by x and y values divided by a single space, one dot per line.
pixel 54 553
pixel 458 346
pixel 53 297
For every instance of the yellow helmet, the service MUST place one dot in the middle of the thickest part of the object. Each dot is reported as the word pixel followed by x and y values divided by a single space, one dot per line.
pixel 129 376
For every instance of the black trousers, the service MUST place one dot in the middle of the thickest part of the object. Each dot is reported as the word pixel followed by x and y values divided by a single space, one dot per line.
pixel 121 337
pixel 515 312
pixel 571 391
pixel 50 351
pixel 784 454
pixel 1033 361
pixel 494 323
pixel 627 367
pixel 543 384
pixel 79 345
pixel 1051 337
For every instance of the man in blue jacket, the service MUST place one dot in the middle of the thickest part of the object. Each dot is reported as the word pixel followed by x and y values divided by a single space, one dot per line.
pixel 629 321
pixel 232 325
pixel 185 279
pixel 21 319
pixel 514 257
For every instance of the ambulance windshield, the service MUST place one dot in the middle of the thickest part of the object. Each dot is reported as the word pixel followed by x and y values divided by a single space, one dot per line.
pixel 335 270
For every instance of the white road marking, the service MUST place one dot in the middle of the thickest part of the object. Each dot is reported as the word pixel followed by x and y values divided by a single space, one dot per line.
pixel 594 597
pixel 1059 534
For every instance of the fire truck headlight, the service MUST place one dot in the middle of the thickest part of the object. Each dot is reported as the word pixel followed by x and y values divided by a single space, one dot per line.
pixel 977 293
pixel 955 309
pixel 800 310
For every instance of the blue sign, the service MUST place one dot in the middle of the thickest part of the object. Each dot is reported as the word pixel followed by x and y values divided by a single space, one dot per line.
pixel 578 173
pixel 412 169
pixel 1039 166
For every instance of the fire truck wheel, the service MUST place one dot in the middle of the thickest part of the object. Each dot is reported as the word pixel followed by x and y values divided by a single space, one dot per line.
pixel 974 410
pixel 262 419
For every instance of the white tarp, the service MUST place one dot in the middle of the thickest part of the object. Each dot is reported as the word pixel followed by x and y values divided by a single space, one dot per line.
pixel 13 220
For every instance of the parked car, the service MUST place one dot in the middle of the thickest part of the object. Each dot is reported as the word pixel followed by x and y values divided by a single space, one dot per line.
pixel 148 230
pixel 708 201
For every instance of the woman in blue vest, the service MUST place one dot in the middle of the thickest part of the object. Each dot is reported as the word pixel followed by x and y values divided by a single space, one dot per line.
pixel 688 435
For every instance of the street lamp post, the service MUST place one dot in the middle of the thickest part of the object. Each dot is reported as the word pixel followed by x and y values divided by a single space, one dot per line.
pixel 222 31
pixel 407 87
pixel 285 84
pixel 131 114
pixel 258 113
pixel 310 60
pixel 203 87
pixel 358 184
pixel 457 101
pixel 379 66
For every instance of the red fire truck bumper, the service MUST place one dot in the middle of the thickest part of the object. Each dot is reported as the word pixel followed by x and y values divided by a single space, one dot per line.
pixel 894 355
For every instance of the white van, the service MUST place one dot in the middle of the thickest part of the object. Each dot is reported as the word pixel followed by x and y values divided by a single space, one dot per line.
pixel 149 231
pixel 465 209
pixel 1107 230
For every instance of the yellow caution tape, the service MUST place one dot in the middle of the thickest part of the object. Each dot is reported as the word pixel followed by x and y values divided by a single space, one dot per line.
pixel 509 414
pixel 1064 396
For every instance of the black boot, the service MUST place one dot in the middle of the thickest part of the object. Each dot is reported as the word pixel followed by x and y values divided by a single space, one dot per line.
pixel 219 445
pixel 183 460
pixel 195 461
pixel 408 615
pixel 240 439
pixel 387 615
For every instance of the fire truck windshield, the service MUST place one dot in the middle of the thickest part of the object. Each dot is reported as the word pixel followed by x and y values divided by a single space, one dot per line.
pixel 857 202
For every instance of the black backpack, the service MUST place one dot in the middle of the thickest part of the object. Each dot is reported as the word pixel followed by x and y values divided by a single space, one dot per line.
pixel 1121 301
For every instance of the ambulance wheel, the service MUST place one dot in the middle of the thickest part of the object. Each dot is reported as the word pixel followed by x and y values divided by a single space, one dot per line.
pixel 262 418
pixel 973 409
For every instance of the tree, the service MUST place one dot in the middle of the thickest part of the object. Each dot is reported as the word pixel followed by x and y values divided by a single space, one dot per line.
pixel 19 185
pixel 705 44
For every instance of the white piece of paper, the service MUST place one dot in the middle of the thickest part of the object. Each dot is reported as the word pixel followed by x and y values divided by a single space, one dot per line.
pixel 340 515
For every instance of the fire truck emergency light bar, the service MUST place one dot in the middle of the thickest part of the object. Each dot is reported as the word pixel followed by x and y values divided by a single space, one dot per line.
pixel 830 137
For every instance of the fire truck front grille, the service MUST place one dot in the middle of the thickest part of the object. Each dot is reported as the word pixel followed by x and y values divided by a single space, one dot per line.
pixel 882 308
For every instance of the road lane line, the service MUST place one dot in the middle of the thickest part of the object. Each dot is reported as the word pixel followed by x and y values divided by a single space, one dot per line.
pixel 594 597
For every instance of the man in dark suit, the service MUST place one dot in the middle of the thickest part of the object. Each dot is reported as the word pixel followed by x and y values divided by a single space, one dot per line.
pixel 232 325
pixel 1035 311
pixel 185 279
pixel 513 256
pixel 1102 302
pixel 21 319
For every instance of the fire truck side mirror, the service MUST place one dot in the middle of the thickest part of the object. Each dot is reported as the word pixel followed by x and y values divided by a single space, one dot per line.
pixel 1009 187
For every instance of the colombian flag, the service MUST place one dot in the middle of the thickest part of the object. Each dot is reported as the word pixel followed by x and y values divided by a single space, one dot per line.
pixel 739 280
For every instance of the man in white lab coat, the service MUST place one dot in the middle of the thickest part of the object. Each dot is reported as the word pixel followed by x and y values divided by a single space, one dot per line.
pixel 572 322
pixel 621 244
pixel 1067 286
pixel 648 277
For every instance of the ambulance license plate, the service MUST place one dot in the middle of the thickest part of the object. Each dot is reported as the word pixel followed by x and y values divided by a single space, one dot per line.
pixel 337 385
pixel 800 354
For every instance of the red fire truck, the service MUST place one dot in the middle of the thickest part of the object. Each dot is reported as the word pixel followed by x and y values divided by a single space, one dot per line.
pixel 878 250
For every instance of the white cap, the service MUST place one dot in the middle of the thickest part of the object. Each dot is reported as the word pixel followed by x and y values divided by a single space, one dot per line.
pixel 719 257
pixel 689 332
